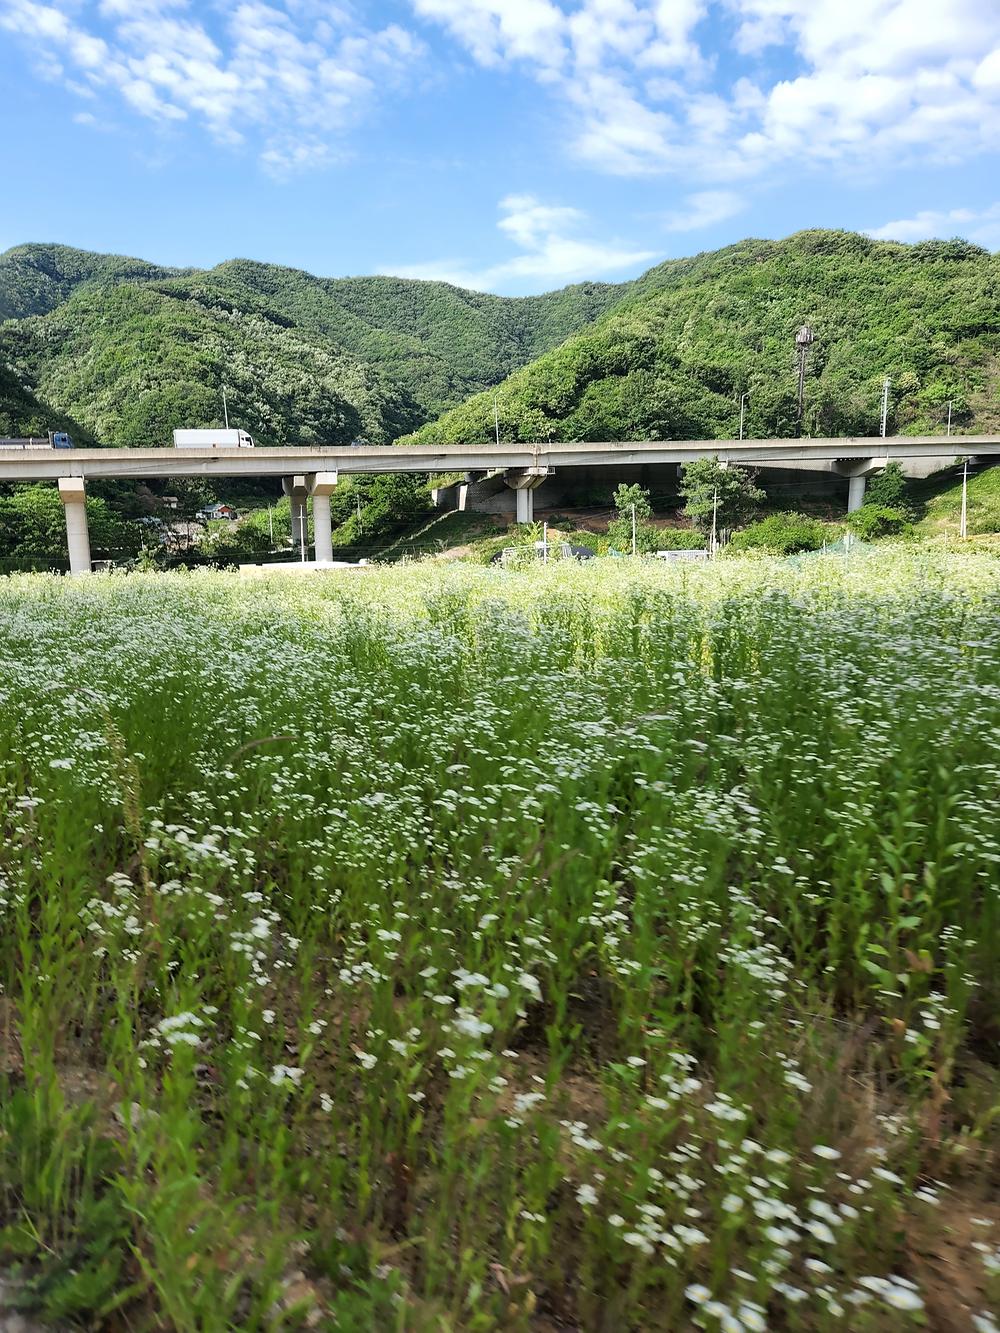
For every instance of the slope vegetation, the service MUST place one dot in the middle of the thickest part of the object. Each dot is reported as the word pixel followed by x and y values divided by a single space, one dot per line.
pixel 34 279
pixel 673 358
pixel 132 349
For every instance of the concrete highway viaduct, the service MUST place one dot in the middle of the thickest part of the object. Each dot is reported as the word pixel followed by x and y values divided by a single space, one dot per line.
pixel 312 471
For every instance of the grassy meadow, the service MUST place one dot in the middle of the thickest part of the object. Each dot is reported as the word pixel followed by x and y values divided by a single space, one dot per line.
pixel 461 949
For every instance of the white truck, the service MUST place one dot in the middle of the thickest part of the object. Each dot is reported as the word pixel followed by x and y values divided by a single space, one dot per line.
pixel 212 439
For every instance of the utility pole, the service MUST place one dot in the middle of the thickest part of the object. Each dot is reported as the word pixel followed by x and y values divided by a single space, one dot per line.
pixel 803 341
pixel 949 416
pixel 885 404
pixel 545 543
pixel 715 518
pixel 633 529
pixel 302 529
pixel 743 407
pixel 270 524
pixel 496 418
pixel 963 527
pixel 225 409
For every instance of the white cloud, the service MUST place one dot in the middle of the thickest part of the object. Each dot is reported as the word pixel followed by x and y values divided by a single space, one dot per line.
pixel 286 77
pixel 706 208
pixel 869 80
pixel 551 254
pixel 981 225
pixel 498 30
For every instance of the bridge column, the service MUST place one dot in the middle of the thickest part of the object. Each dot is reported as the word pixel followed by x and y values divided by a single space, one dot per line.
pixel 324 484
pixel 73 493
pixel 857 470
pixel 523 482
pixel 297 490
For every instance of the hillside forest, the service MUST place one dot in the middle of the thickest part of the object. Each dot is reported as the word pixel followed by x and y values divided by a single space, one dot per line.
pixel 120 352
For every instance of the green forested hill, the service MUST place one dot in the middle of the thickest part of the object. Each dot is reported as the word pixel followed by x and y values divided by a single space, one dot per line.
pixel 34 279
pixel 442 343
pixel 673 358
pixel 133 362
pixel 22 414
pixel 132 350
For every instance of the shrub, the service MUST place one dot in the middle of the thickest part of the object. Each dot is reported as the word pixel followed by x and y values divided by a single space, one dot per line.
pixel 679 539
pixel 888 487
pixel 872 521
pixel 780 534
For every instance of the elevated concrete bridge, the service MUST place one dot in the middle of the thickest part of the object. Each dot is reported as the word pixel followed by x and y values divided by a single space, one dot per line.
pixel 313 470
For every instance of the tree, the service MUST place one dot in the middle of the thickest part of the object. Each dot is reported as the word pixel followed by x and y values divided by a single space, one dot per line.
pixel 887 487
pixel 780 534
pixel 620 527
pixel 236 540
pixel 872 521
pixel 730 493
pixel 33 522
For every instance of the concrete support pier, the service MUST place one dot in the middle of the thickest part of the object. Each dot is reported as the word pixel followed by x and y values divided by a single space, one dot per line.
pixel 323 486
pixel 523 482
pixel 857 471
pixel 297 490
pixel 73 493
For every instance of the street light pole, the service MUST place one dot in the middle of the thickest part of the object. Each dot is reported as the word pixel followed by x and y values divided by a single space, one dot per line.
pixel 803 341
pixel 715 517
pixel 949 416
pixel 743 407
pixel 963 527
pixel 496 418
pixel 885 404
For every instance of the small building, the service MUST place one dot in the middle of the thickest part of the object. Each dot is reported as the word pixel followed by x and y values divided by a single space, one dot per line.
pixel 212 513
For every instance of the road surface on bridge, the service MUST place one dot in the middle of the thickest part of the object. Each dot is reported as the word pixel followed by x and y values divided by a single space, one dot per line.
pixel 51 464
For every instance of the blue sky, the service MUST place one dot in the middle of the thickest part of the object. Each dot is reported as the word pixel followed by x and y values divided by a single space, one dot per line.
pixel 508 145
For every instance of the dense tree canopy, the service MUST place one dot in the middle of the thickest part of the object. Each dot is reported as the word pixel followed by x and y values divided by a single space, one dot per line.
pixel 672 360
pixel 126 351
pixel 134 349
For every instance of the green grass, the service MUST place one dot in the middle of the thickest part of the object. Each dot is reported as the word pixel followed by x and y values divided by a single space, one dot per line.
pixel 430 535
pixel 463 949
pixel 940 500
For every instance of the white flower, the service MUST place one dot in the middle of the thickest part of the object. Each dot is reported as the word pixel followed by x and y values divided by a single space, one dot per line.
pixel 587 1196
pixel 174 1037
pixel 823 1150
pixel 697 1294
pixel 286 1074
pixel 821 1231
pixel 365 1060
pixel 901 1298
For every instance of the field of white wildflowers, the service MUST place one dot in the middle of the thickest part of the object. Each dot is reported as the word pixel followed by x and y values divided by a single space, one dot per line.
pixel 456 949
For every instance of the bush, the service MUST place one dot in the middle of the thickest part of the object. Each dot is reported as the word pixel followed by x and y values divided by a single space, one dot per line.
pixel 780 534
pixel 647 538
pixel 679 539
pixel 888 487
pixel 229 539
pixel 872 521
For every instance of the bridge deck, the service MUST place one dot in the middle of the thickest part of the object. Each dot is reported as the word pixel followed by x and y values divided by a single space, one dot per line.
pixel 49 464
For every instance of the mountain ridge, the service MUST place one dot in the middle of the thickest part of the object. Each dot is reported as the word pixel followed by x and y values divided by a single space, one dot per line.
pixel 130 349
pixel 386 353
